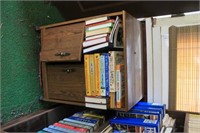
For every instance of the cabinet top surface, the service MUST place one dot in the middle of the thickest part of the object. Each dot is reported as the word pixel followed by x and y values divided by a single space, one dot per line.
pixel 81 19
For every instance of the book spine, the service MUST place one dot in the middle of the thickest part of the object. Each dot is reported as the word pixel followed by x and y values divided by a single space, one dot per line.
pixel 97 74
pixel 89 128
pixel 80 122
pixel 112 71
pixel 112 100
pixel 119 84
pixel 102 75
pixel 92 75
pixel 61 129
pixel 70 127
pixel 50 130
pixel 87 74
pixel 107 74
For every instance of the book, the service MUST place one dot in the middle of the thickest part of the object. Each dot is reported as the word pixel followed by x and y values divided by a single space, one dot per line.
pixel 138 114
pixel 100 100
pixel 115 57
pixel 106 56
pixel 96 106
pixel 118 36
pixel 97 74
pixel 102 75
pixel 120 86
pixel 96 32
pixel 92 75
pixel 92 42
pixel 108 129
pixel 89 128
pixel 61 129
pixel 112 100
pixel 96 36
pixel 70 127
pixel 87 74
pixel 117 21
pixel 95 20
pixel 100 25
pixel 97 47
pixel 50 130
pixel 81 121
pixel 148 109
pixel 155 105
pixel 134 125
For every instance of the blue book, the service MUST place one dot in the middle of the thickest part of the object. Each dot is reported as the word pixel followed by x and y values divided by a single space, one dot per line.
pixel 46 129
pixel 64 130
pixel 102 75
pixel 135 125
pixel 107 74
pixel 81 121
pixel 154 115
pixel 155 105
pixel 148 109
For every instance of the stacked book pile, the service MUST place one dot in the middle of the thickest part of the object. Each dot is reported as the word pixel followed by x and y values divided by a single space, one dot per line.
pixel 143 117
pixel 101 33
pixel 82 122
pixel 192 122
pixel 104 69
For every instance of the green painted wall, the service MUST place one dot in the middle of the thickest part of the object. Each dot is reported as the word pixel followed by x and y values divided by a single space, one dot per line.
pixel 20 47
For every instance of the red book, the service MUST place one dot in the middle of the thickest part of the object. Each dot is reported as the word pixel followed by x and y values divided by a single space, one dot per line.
pixel 70 127
pixel 95 41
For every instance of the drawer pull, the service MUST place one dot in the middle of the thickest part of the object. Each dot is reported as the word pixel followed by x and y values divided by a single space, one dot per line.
pixel 68 70
pixel 62 54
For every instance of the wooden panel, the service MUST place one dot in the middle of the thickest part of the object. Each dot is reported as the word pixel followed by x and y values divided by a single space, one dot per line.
pixel 66 39
pixel 66 81
pixel 133 60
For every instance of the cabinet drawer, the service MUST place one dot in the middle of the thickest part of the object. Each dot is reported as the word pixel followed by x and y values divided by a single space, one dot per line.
pixel 62 43
pixel 66 82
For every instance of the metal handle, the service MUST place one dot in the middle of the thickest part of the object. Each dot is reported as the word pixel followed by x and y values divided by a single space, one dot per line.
pixel 62 54
pixel 68 70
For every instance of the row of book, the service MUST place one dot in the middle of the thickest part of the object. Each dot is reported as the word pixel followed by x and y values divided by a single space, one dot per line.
pixel 103 62
pixel 87 121
pixel 143 117
pixel 192 122
pixel 104 74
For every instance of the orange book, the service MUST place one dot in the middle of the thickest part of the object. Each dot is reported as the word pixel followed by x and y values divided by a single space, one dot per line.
pixel 120 86
pixel 87 74
pixel 97 74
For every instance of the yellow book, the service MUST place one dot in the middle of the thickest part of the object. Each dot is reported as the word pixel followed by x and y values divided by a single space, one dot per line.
pixel 87 74
pixel 97 74
pixel 92 75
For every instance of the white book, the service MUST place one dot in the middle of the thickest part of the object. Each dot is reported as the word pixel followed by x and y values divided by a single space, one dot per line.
pixel 115 57
pixel 117 21
pixel 96 106
pixel 95 20
pixel 99 100
pixel 95 47
pixel 96 36
pixel 94 41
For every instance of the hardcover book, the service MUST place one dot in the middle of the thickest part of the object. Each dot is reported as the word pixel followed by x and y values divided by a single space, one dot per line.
pixel 96 32
pixel 96 20
pixel 87 74
pixel 95 41
pixel 97 74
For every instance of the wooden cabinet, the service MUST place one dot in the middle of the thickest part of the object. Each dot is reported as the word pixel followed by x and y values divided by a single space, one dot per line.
pixel 62 60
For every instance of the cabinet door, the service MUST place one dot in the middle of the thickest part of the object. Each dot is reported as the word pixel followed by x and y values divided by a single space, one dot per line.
pixel 65 82
pixel 62 43
pixel 133 60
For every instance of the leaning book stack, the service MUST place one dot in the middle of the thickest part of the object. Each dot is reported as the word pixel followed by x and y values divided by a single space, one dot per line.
pixel 103 63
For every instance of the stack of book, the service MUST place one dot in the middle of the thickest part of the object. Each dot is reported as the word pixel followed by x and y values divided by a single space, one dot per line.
pixel 192 122
pixel 102 33
pixel 104 69
pixel 87 121
pixel 143 117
